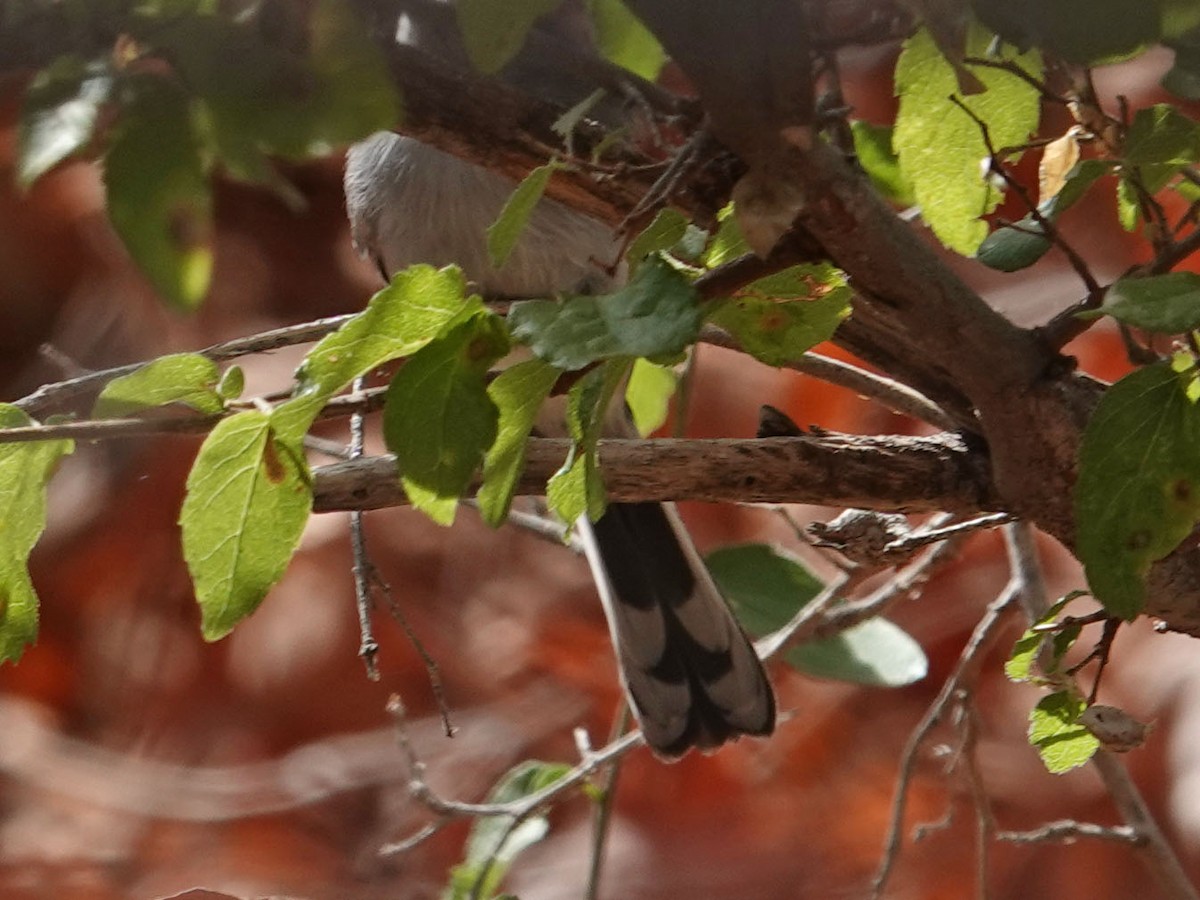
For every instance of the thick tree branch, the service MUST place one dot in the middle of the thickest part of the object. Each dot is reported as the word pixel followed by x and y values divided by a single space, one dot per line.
pixel 900 474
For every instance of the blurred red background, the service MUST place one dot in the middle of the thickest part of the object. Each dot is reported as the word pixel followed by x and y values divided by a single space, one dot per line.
pixel 138 761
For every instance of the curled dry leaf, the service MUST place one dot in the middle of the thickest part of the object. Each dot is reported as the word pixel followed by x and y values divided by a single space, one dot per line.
pixel 1114 728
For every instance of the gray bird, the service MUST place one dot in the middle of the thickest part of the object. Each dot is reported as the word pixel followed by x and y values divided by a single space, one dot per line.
pixel 692 675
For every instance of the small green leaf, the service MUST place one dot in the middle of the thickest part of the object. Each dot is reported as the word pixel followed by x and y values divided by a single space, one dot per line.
pixel 438 418
pixel 518 393
pixel 624 40
pixel 1055 731
pixel 59 114
pixel 232 383
pixel 1138 492
pixel 1020 666
pixel 649 394
pixel 418 305
pixel 187 378
pixel 25 471
pixel 941 149
pixel 656 314
pixel 158 194
pixel 494 30
pixel 767 588
pixel 491 847
pixel 873 146
pixel 728 243
pixel 503 234
pixel 248 499
pixel 1014 247
pixel 577 489
pixel 1162 135
pixel 1168 304
pixel 777 318
pixel 667 229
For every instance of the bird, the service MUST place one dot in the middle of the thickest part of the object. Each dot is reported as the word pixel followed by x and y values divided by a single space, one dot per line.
pixel 690 672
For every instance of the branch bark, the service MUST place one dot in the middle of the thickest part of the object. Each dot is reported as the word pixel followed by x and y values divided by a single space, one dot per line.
pixel 897 474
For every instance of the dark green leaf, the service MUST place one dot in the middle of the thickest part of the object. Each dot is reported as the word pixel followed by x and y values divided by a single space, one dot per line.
pixel 248 500
pixel 1168 304
pixel 656 314
pixel 518 393
pixel 158 194
pixel 768 588
pixel 25 471
pixel 438 418
pixel 59 114
pixel 494 30
pixel 625 40
pixel 1014 247
pixel 1087 32
pixel 1138 492
pixel 941 148
pixel 1055 730
pixel 1162 135
pixel 777 318
pixel 577 489
pixel 873 146
pixel 186 378
pixel 502 235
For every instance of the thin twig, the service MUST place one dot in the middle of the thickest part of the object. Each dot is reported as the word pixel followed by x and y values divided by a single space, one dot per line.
pixel 886 391
pixel 985 822
pixel 368 647
pixel 1067 831
pixel 602 816
pixel 971 657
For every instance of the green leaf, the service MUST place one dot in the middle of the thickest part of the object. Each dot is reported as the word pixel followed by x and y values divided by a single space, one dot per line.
pixel 777 318
pixel 656 314
pixel 438 418
pixel 25 471
pixel 186 378
pixel 1014 247
pixel 941 149
pixel 1055 731
pixel 158 196
pixel 1167 304
pixel 1021 663
pixel 728 243
pixel 231 383
pixel 873 146
pixel 417 306
pixel 624 40
pixel 1087 32
pixel 1138 492
pixel 649 394
pixel 59 114
pixel 248 499
pixel 667 229
pixel 1162 135
pixel 494 30
pixel 767 588
pixel 577 489
pixel 518 393
pixel 1019 246
pixel 491 847
pixel 503 234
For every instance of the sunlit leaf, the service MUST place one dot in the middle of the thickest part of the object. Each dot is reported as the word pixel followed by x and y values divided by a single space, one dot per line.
pixel 873 147
pixel 941 149
pixel 59 114
pixel 248 499
pixel 648 395
pixel 624 40
pixel 25 471
pixel 518 393
pixel 1055 730
pixel 187 378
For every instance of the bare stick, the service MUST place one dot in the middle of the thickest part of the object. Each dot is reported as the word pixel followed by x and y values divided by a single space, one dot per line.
pixel 368 648
pixel 1067 831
